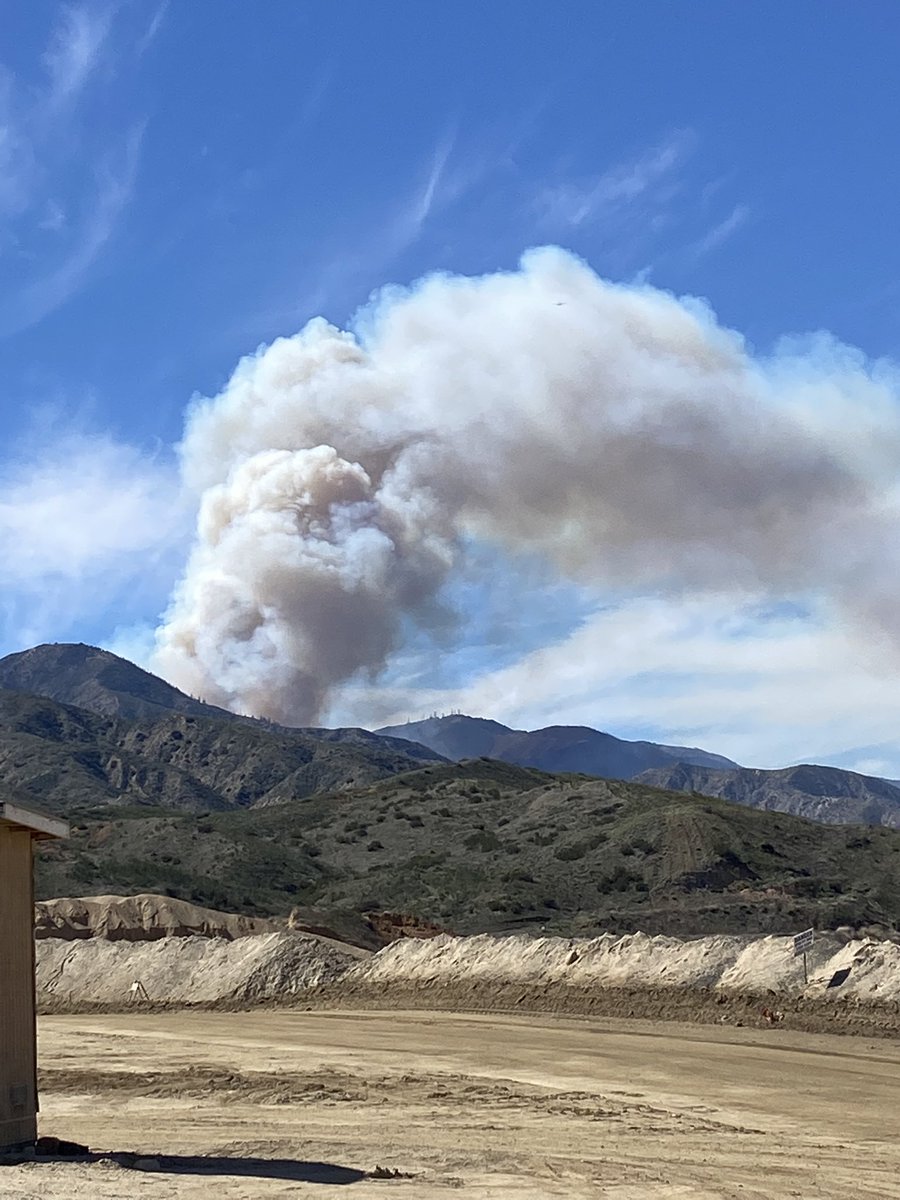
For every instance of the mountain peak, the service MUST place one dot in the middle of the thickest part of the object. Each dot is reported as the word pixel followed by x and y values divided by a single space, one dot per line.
pixel 455 736
pixel 569 748
pixel 98 680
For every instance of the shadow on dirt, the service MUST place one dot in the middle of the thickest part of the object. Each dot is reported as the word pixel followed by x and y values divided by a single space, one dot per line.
pixel 252 1168
pixel 177 1164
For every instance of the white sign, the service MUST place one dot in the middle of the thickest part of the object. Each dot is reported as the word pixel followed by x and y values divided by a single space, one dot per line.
pixel 803 941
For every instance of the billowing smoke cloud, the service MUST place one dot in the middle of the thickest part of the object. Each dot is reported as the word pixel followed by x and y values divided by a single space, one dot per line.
pixel 615 430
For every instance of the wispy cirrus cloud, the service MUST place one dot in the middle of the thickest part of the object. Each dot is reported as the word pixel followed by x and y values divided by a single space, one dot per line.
pixel 660 206
pixel 54 218
pixel 721 232
pixel 436 188
pixel 74 52
pixel 63 277
pixel 63 187
pixel 342 268
pixel 154 26
pixel 17 158
pixel 572 203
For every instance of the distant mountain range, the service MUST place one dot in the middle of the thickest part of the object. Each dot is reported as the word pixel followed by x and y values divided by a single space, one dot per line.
pixel 169 795
pixel 826 794
pixel 818 793
pixel 556 748
pixel 280 762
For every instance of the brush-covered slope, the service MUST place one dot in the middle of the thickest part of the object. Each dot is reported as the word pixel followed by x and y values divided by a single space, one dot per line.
pixel 819 793
pixel 557 748
pixel 62 758
pixel 490 846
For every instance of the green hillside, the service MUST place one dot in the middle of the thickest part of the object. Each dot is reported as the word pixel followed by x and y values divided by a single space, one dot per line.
pixel 489 846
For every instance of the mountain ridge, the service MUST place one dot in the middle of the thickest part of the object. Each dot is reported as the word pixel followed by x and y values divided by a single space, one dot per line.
pixel 241 815
pixel 95 681
pixel 56 755
pixel 827 794
pixel 103 683
pixel 576 748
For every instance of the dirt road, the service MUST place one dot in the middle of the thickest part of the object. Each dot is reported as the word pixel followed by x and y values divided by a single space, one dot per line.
pixel 282 1104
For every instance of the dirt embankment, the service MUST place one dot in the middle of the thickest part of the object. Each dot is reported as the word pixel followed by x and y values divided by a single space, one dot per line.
pixel 148 918
pixel 114 953
pixel 117 951
pixel 186 971
pixel 838 965
pixel 142 918
pixel 853 984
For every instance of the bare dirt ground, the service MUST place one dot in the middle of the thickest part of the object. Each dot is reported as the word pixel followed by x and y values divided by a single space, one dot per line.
pixel 285 1104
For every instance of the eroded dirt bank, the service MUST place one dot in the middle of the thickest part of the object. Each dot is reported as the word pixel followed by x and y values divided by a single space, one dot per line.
pixel 854 985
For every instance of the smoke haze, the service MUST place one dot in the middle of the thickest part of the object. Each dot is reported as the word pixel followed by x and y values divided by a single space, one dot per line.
pixel 616 431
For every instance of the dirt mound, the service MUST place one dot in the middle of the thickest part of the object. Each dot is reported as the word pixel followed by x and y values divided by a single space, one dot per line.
pixel 186 970
pixel 143 918
pixel 839 966
pixel 279 967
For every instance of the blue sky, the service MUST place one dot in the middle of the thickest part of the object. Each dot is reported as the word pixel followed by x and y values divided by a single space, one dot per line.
pixel 182 181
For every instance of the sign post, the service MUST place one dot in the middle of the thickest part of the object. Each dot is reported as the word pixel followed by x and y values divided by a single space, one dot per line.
pixel 802 943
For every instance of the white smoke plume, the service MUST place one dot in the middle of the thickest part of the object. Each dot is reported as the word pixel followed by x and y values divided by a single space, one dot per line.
pixel 618 431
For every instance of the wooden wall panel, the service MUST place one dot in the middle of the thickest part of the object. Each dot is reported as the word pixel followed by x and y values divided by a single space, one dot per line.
pixel 18 1069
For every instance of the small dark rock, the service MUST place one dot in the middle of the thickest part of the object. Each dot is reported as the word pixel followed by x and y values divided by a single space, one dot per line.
pixel 388 1173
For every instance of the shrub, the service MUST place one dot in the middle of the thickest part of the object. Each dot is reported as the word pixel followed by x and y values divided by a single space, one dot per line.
pixel 483 840
pixel 570 853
